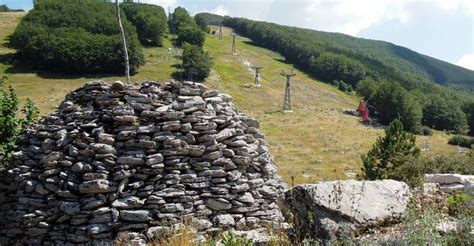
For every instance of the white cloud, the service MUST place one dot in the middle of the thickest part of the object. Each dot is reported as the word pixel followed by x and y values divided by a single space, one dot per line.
pixel 467 61
pixel 163 3
pixel 352 17
pixel 220 10
pixel 468 6
pixel 346 16
pixel 462 5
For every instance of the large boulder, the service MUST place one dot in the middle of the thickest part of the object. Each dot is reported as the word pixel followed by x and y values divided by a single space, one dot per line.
pixel 324 209
pixel 117 159
pixel 452 182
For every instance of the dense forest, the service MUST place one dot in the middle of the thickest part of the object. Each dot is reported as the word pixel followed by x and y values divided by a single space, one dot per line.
pixel 398 82
pixel 75 37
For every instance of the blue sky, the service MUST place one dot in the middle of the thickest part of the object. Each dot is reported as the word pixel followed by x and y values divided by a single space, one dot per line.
pixel 443 29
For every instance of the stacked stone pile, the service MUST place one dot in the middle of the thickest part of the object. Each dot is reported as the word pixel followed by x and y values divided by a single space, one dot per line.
pixel 138 158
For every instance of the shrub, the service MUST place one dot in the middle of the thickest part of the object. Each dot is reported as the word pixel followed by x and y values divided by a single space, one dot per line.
pixel 150 21
pixel 11 125
pixel 388 155
pixel 461 203
pixel 196 61
pixel 422 218
pixel 75 37
pixel 335 83
pixel 461 164
pixel 426 131
pixel 347 88
pixel 460 140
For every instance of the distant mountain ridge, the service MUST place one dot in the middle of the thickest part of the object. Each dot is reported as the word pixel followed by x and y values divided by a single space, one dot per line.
pixel 380 58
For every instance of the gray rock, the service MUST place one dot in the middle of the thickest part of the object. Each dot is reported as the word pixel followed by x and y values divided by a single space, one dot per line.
pixel 128 202
pixel 212 155
pixel 225 134
pixel 186 91
pixel 449 178
pixel 268 191
pixel 95 186
pixel 209 93
pixel 325 208
pixel 201 224
pixel 170 192
pixel 224 220
pixel 130 160
pixel 41 190
pixel 135 215
pixel 246 198
pixel 218 204
pixel 257 237
pixel 81 167
pixel 154 159
pixel 101 148
pixel 70 207
pixel 122 174
pixel 93 203
pixel 452 182
pixel 95 229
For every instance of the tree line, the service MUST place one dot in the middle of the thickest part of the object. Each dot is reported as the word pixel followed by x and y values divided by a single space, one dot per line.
pixel 5 8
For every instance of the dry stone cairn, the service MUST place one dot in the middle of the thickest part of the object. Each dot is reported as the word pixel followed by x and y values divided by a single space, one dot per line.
pixel 138 158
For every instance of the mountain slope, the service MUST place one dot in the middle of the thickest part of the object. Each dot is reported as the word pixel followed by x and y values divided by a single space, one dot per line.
pixel 381 59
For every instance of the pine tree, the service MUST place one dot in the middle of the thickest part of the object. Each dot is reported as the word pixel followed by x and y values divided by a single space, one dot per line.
pixel 389 153
pixel 196 62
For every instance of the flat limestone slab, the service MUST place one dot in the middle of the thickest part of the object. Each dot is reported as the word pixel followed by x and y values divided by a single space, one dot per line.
pixel 322 209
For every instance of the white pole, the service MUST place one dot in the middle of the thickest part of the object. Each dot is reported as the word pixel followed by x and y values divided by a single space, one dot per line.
pixel 124 43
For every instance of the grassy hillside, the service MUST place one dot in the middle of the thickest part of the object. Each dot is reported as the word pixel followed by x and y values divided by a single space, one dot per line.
pixel 315 142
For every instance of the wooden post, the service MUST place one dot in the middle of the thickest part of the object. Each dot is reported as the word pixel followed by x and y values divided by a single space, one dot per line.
pixel 124 42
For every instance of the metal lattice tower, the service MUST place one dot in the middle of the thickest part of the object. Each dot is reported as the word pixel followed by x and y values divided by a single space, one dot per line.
pixel 287 102
pixel 234 52
pixel 220 31
pixel 256 83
